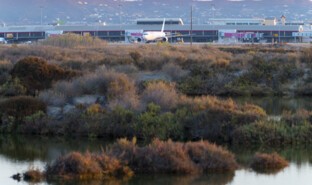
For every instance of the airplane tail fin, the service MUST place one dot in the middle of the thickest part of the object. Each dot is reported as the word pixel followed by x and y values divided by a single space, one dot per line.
pixel 163 26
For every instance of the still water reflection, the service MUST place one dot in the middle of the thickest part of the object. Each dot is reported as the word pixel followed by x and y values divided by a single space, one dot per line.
pixel 276 105
pixel 17 154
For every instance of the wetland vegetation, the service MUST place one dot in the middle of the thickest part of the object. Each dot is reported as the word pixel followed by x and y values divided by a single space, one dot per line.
pixel 156 93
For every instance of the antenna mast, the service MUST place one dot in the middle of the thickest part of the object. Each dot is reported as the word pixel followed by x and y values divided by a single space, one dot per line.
pixel 191 32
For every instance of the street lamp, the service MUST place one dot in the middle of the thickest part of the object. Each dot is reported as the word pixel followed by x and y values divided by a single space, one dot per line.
pixel 213 9
pixel 3 23
pixel 191 32
pixel 119 13
pixel 41 15
pixel 98 27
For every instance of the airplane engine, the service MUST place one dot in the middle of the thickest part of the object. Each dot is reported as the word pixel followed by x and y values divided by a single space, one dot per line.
pixel 165 39
pixel 139 39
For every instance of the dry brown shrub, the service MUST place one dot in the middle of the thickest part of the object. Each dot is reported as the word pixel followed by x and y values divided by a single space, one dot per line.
pixel 125 150
pixel 53 98
pixel 174 157
pixel 5 66
pixel 74 164
pixel 210 102
pixel 117 88
pixel 168 157
pixel 211 157
pixel 241 61
pixel 220 63
pixel 112 167
pixel 71 40
pixel 127 69
pixel 213 103
pixel 94 109
pixel 36 74
pixel 135 55
pixel 300 116
pixel 253 109
pixel 174 71
pixel 162 94
pixel 262 162
pixel 33 175
pixel 87 166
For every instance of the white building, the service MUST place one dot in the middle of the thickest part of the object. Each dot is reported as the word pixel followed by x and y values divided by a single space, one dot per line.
pixel 236 21
pixel 271 21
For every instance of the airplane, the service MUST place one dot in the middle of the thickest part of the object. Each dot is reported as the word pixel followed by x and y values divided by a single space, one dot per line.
pixel 153 36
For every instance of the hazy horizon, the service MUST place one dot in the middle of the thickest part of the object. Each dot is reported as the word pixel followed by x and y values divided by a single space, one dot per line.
pixel 127 11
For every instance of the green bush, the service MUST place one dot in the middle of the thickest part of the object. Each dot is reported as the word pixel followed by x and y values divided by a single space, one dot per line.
pixel 154 124
pixel 12 87
pixel 20 107
pixel 112 124
pixel 273 133
pixel 306 55
pixel 214 119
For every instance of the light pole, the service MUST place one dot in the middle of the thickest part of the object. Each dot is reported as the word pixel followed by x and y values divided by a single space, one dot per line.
pixel 119 14
pixel 3 23
pixel 213 10
pixel 191 32
pixel 120 21
pixel 41 15
pixel 279 34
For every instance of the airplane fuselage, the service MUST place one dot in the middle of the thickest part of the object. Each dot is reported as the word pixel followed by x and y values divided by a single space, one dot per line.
pixel 2 40
pixel 150 36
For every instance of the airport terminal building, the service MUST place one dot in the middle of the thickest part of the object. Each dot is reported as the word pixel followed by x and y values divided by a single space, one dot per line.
pixel 220 32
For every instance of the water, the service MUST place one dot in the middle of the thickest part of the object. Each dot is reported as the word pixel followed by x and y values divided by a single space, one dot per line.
pixel 17 154
pixel 276 105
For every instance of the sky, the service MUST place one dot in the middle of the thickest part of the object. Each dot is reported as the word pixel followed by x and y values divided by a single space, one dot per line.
pixel 127 11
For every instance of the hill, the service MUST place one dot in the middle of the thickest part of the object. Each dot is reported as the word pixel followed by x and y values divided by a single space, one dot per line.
pixel 125 11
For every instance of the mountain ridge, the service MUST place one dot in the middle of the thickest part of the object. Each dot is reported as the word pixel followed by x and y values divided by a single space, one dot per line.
pixel 125 11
